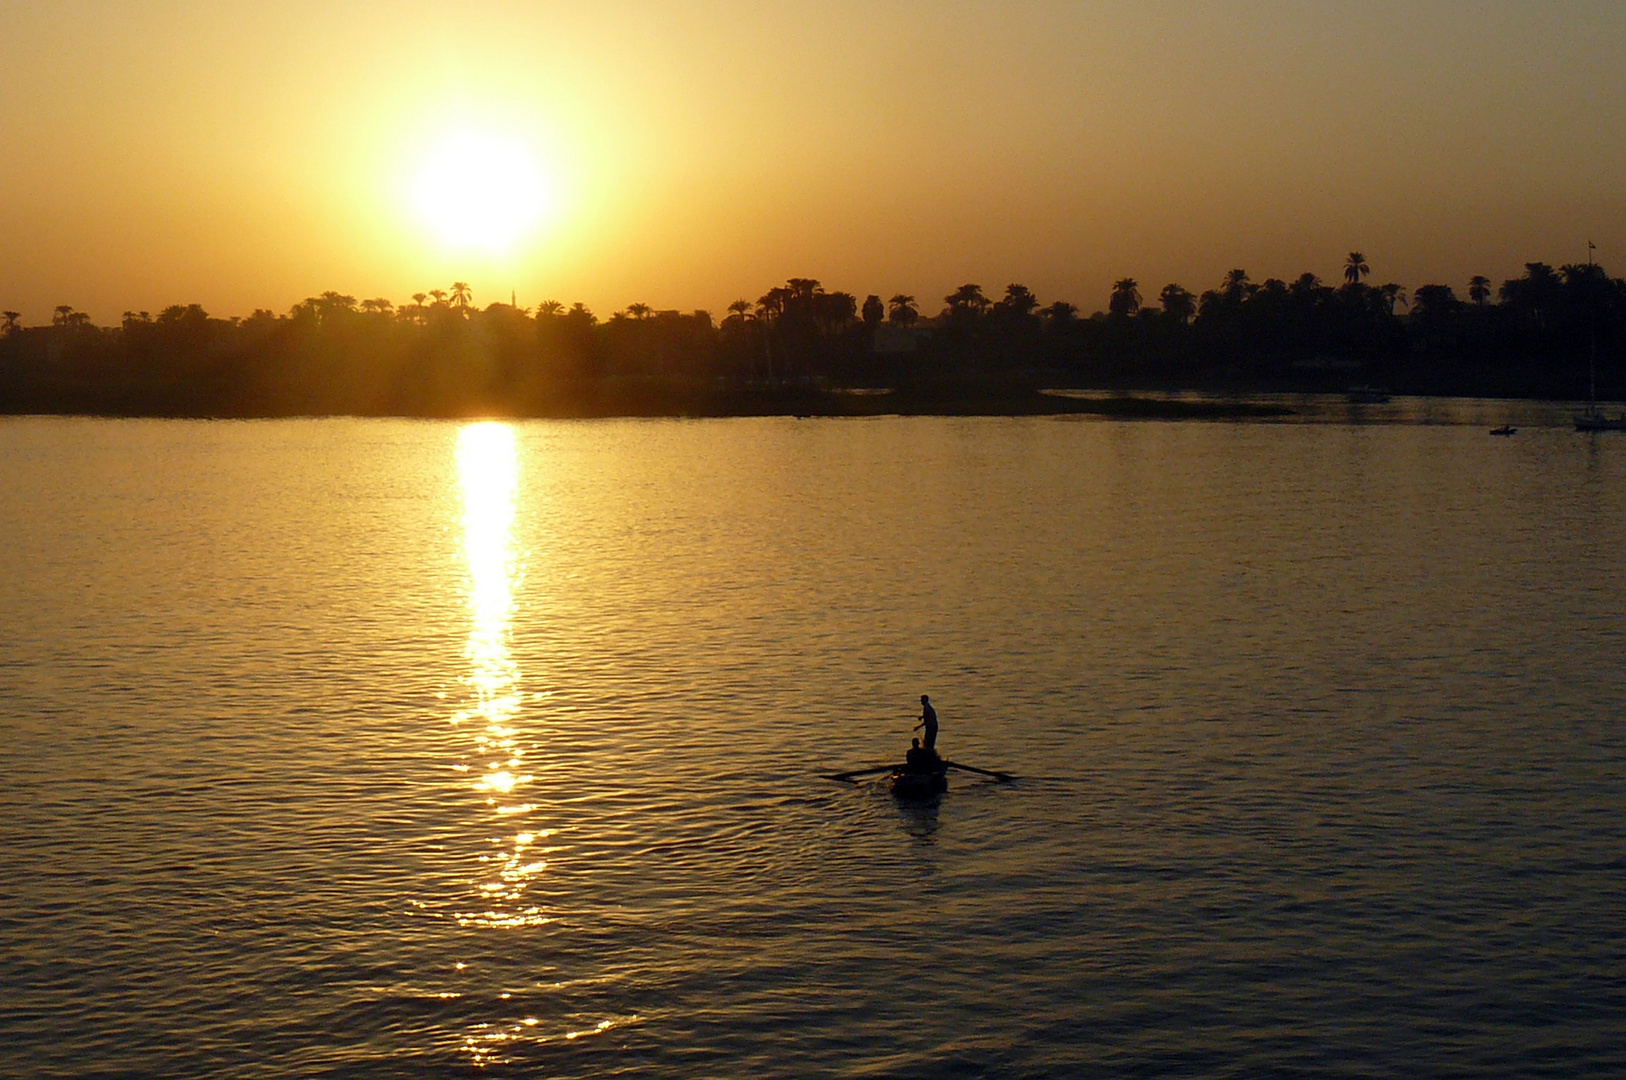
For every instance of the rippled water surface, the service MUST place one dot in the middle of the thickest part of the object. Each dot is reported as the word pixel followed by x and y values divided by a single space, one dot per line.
pixel 369 748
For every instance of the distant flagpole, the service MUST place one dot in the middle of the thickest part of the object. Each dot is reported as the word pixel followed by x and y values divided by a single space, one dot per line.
pixel 1590 248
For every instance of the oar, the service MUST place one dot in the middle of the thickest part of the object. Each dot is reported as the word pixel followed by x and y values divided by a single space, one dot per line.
pixel 858 772
pixel 1003 777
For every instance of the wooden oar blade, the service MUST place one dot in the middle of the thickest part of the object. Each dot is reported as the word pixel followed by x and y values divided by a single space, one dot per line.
pixel 843 776
pixel 1002 777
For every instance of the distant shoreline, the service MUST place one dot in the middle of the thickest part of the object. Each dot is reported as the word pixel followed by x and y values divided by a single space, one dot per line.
pixel 803 351
pixel 904 401
pixel 638 399
pixel 653 403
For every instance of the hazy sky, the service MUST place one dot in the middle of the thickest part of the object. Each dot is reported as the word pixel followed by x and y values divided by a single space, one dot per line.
pixel 248 155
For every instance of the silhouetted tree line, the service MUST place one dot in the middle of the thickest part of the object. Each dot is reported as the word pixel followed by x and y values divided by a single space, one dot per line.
pixel 443 355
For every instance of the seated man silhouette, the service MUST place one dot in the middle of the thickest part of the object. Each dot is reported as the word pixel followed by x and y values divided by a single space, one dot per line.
pixel 919 759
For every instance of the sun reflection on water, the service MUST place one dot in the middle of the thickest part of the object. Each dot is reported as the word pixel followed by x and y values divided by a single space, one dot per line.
pixel 494 764
pixel 488 472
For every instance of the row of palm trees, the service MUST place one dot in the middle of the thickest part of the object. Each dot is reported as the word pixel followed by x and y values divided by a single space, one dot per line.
pixel 804 301
pixel 968 303
pixel 1176 302
pixel 331 351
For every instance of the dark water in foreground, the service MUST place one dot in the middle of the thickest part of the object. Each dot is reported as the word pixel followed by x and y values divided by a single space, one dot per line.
pixel 366 748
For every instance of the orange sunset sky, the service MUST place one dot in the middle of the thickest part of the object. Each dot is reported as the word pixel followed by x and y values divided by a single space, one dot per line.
pixel 688 154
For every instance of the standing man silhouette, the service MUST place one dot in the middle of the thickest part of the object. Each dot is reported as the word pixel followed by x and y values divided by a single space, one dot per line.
pixel 928 720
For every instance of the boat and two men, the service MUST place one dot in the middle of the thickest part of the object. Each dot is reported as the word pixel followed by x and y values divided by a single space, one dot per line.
pixel 923 772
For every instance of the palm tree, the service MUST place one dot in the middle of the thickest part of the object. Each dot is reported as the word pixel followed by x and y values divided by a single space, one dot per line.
pixel 771 304
pixel 1236 282
pixel 439 296
pixel 461 296
pixel 638 311
pixel 1018 300
pixel 1394 294
pixel 900 310
pixel 1436 297
pixel 873 311
pixel 331 304
pixel 770 309
pixel 62 314
pixel 803 288
pixel 1125 298
pixel 549 308
pixel 1305 287
pixel 966 302
pixel 834 310
pixel 1479 289
pixel 1178 303
pixel 12 326
pixel 1355 268
pixel 1433 305
pixel 740 309
pixel 1534 296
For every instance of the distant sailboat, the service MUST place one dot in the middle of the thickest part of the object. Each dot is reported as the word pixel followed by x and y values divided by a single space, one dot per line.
pixel 1593 419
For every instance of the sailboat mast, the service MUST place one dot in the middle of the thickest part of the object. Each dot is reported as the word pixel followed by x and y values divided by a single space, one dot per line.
pixel 1592 371
pixel 1592 419
pixel 1592 333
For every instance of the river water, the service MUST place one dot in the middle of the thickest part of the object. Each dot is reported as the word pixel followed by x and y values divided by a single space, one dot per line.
pixel 391 748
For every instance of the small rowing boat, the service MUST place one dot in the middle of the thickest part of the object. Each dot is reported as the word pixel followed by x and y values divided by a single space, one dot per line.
pixel 923 775
pixel 908 784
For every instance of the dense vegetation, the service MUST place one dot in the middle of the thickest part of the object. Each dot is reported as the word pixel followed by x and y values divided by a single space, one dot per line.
pixel 442 355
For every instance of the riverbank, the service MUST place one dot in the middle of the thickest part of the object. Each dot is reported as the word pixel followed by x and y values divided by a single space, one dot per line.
pixel 611 400
pixel 920 400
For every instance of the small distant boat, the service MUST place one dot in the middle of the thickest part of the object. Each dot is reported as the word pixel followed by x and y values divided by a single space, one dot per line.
pixel 921 777
pixel 1505 429
pixel 1368 395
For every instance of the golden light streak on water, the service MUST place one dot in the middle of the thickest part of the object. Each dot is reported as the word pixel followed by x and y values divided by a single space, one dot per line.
pixel 488 473
pixel 488 470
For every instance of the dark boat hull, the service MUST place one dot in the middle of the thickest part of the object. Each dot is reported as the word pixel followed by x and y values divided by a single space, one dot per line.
pixel 918 785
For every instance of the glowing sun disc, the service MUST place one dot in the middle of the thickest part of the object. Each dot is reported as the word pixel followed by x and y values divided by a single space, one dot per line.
pixel 481 191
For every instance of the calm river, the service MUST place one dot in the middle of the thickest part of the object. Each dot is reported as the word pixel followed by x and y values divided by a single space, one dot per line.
pixel 374 748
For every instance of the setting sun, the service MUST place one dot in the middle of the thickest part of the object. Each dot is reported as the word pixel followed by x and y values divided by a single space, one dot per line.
pixel 482 191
